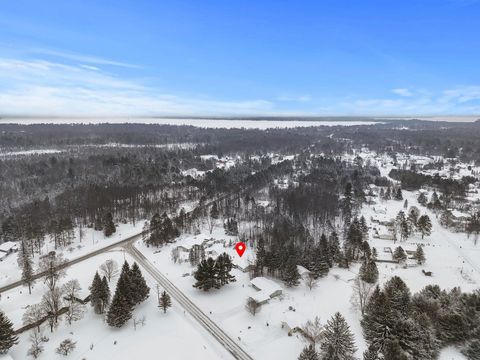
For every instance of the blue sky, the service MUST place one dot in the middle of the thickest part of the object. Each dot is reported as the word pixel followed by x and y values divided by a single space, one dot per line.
pixel 240 57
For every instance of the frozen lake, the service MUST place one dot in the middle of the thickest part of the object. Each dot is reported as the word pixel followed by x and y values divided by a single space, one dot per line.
pixel 205 123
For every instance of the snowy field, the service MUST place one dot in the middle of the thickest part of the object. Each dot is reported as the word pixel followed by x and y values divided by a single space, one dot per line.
pixel 204 123
pixel 171 333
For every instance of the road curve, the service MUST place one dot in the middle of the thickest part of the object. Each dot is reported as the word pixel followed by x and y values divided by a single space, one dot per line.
pixel 226 341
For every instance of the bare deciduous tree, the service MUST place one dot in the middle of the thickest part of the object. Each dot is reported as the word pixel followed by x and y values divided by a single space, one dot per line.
pixel 140 321
pixel 313 330
pixel 361 293
pixel 252 306
pixel 110 269
pixel 52 265
pixel 51 304
pixel 36 339
pixel 34 314
pixel 310 282
pixel 66 347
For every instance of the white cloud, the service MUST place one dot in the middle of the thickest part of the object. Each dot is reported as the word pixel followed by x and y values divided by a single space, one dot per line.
pixel 300 99
pixel 38 87
pixel 402 92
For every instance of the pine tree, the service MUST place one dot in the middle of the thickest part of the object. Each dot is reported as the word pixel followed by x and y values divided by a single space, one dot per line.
pixel 369 272
pixel 96 295
pixel 27 267
pixel 290 274
pixel 120 310
pixel 308 353
pixel 420 255
pixel 214 214
pixel 206 275
pixel 325 250
pixel 422 199
pixel 164 302
pixel 334 246
pixel 125 284
pixel 108 225
pixel 398 194
pixel 399 254
pixel 338 342
pixel 472 349
pixel 105 293
pixel 223 266
pixel 371 353
pixel 7 334
pixel 139 289
pixel 260 262
pixel 424 225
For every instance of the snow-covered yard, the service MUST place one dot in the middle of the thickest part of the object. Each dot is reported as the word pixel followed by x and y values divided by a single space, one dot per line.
pixel 171 333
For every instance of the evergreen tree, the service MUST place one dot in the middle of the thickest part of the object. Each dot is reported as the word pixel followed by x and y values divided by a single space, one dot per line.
pixel 374 253
pixel 420 255
pixel 27 266
pixel 325 251
pixel 7 334
pixel 424 225
pixel 139 289
pixel 206 275
pixel 334 246
pixel 96 299
pixel 338 342
pixel 308 353
pixel 164 302
pixel 371 353
pixel 124 284
pixel 369 272
pixel 398 194
pixel 472 349
pixel 105 293
pixel 224 266
pixel 120 310
pixel 108 225
pixel 261 256
pixel 422 199
pixel 290 274
pixel 399 254
pixel 214 213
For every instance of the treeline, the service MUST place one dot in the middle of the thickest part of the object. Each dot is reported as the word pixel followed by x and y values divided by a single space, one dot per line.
pixel 397 325
pixel 412 180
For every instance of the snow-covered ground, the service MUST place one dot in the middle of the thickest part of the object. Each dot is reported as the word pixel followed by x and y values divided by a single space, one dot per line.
pixel 92 240
pixel 173 335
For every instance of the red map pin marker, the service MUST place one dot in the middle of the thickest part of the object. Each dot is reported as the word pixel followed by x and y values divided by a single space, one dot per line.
pixel 240 247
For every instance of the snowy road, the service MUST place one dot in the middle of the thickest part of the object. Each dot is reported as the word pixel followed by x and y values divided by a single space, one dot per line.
pixel 225 340
pixel 76 260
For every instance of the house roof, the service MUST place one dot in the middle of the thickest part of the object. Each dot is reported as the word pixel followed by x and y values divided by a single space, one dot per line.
pixel 265 285
pixel 8 246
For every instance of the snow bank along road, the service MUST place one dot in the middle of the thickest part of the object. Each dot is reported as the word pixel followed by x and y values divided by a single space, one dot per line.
pixel 226 341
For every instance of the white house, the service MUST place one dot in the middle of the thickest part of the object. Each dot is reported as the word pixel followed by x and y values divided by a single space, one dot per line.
pixel 267 289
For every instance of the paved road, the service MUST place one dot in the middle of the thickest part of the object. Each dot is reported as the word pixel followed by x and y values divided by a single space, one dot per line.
pixel 76 260
pixel 101 250
pixel 226 341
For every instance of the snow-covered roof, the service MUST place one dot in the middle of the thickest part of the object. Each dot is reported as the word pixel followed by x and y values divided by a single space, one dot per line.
pixel 8 246
pixel 265 284
pixel 302 270
pixel 459 214
pixel 260 296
